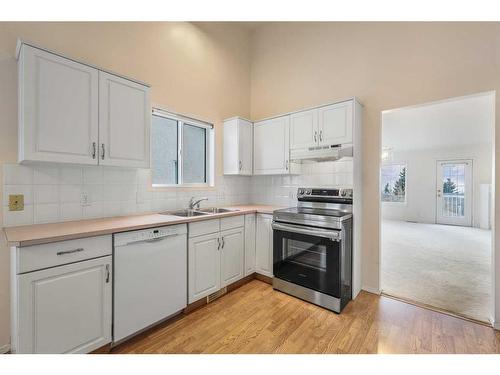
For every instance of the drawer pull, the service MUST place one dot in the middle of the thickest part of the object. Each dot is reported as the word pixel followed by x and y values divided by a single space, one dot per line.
pixel 107 273
pixel 70 251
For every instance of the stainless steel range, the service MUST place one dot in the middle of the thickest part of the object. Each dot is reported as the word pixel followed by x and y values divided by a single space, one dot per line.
pixel 312 247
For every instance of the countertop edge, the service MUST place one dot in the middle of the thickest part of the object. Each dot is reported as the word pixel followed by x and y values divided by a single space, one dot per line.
pixel 246 209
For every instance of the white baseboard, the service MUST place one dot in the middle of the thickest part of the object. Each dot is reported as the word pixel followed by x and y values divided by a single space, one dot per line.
pixel 496 325
pixel 369 289
pixel 4 349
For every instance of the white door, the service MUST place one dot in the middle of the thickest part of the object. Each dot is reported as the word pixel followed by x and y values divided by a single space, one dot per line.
pixel 65 309
pixel 454 192
pixel 272 146
pixel 245 140
pixel 304 129
pixel 203 266
pixel 264 246
pixel 124 122
pixel 58 109
pixel 232 253
pixel 249 244
pixel 335 123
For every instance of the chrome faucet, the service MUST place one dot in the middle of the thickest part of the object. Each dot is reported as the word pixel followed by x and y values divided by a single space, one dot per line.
pixel 195 203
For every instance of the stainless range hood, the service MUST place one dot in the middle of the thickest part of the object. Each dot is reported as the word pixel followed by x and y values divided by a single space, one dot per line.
pixel 322 153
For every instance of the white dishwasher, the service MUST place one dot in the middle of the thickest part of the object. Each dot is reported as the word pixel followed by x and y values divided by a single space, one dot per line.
pixel 150 278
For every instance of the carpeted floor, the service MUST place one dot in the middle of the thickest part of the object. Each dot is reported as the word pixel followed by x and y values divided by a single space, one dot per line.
pixel 444 266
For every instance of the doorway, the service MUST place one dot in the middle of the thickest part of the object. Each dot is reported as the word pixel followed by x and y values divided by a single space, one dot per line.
pixel 436 179
pixel 454 192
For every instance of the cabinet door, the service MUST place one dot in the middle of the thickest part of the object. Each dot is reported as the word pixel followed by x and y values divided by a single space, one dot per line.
pixel 304 129
pixel 58 108
pixel 245 141
pixel 264 245
pixel 124 122
pixel 231 147
pixel 232 252
pixel 65 309
pixel 204 266
pixel 249 244
pixel 335 123
pixel 272 146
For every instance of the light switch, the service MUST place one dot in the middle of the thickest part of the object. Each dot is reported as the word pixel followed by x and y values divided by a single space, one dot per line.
pixel 16 202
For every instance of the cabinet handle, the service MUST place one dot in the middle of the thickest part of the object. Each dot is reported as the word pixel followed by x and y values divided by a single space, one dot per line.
pixel 107 273
pixel 287 165
pixel 223 243
pixel 94 150
pixel 70 251
pixel 103 151
pixel 315 136
pixel 240 165
pixel 218 243
pixel 321 135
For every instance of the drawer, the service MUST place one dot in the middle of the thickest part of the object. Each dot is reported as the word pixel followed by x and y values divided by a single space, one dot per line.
pixel 232 222
pixel 31 258
pixel 201 228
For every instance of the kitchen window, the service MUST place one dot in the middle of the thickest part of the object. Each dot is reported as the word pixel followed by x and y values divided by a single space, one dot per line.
pixel 181 151
pixel 393 183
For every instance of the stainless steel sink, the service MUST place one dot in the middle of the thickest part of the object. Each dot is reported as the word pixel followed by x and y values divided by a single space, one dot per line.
pixel 184 213
pixel 217 210
pixel 200 212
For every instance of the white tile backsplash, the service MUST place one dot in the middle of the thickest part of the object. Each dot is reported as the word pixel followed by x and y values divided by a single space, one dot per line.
pixel 46 194
pixel 53 193
pixel 17 174
pixel 46 213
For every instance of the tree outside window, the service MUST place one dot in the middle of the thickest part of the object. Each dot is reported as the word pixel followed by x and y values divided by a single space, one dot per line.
pixel 393 183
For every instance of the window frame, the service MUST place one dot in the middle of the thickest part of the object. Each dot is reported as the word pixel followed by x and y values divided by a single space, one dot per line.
pixel 209 150
pixel 393 163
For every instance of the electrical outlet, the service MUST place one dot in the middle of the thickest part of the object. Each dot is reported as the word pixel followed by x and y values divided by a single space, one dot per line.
pixel 16 202
pixel 84 199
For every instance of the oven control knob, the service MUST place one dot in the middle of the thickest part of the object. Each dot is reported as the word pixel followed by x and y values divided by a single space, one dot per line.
pixel 308 192
pixel 301 191
pixel 343 193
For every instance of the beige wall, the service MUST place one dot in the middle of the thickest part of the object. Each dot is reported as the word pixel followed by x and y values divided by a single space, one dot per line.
pixel 198 69
pixel 386 65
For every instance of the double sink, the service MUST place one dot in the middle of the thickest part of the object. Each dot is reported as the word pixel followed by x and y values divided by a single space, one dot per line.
pixel 199 212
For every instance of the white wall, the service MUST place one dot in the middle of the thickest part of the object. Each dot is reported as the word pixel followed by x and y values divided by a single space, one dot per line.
pixel 420 203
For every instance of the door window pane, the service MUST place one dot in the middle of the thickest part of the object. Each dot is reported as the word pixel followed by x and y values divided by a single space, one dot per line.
pixel 164 150
pixel 453 190
pixel 193 154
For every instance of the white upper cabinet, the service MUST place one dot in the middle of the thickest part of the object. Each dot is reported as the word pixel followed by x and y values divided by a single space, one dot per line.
pixel 238 147
pixel 328 125
pixel 58 104
pixel 335 123
pixel 124 122
pixel 304 129
pixel 70 112
pixel 272 146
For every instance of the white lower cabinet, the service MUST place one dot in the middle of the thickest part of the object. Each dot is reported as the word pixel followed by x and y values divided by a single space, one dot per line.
pixel 232 252
pixel 64 309
pixel 204 266
pixel 249 244
pixel 215 255
pixel 264 245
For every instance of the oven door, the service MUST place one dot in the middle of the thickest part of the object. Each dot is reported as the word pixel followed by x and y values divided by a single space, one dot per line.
pixel 308 256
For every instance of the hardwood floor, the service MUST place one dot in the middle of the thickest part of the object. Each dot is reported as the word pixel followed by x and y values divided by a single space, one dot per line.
pixel 257 319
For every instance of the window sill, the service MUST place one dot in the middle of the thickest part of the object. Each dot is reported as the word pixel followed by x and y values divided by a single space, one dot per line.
pixel 181 187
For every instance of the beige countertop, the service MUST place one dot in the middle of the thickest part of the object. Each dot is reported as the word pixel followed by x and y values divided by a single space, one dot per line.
pixel 27 235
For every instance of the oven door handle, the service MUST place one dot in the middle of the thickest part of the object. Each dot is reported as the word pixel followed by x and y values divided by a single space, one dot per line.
pixel 317 232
